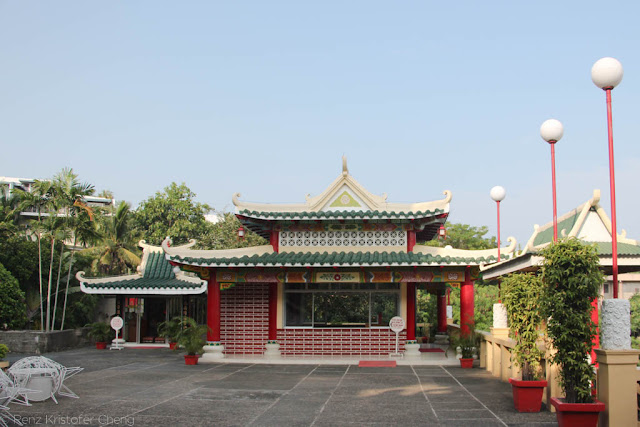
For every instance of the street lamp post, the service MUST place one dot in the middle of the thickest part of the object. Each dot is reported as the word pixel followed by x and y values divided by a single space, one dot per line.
pixel 551 131
pixel 497 194
pixel 607 73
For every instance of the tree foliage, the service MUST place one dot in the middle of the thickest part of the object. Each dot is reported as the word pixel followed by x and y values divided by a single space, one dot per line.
pixel 174 213
pixel 465 236
pixel 224 235
pixel 522 297
pixel 572 280
pixel 13 311
pixel 635 315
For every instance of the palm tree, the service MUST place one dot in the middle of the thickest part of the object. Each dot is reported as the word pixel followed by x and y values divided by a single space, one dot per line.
pixel 115 253
pixel 38 199
pixel 9 214
pixel 69 196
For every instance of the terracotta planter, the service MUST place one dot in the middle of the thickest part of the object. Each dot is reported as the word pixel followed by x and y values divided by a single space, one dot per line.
pixel 577 414
pixel 466 363
pixel 173 345
pixel 101 345
pixel 527 395
pixel 190 359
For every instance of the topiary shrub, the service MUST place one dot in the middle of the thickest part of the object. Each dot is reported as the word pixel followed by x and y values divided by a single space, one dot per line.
pixel 13 307
pixel 521 295
pixel 572 279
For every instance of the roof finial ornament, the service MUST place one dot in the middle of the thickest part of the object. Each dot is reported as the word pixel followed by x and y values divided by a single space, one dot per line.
pixel 345 170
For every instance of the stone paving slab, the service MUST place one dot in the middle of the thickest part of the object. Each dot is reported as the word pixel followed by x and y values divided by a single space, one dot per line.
pixel 145 387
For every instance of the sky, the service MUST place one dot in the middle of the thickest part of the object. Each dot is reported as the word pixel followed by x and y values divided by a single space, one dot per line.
pixel 265 97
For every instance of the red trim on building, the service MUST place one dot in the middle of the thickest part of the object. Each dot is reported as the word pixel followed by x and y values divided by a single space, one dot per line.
pixel 411 311
pixel 442 312
pixel 467 308
pixel 273 311
pixel 596 338
pixel 213 307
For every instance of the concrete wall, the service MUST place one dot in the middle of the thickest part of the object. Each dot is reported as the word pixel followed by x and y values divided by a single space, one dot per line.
pixel 38 342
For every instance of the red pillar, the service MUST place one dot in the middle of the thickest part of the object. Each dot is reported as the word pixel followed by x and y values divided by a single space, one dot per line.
pixel 596 338
pixel 213 308
pixel 274 240
pixel 411 311
pixel 411 240
pixel 273 311
pixel 467 314
pixel 442 312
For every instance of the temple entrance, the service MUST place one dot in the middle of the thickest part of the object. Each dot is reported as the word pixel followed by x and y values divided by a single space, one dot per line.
pixel 142 316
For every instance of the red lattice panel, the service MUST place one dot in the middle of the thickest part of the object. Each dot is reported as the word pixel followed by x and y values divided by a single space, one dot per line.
pixel 244 318
pixel 339 342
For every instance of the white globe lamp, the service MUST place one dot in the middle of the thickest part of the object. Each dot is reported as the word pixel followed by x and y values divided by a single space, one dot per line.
pixel 498 193
pixel 607 73
pixel 551 131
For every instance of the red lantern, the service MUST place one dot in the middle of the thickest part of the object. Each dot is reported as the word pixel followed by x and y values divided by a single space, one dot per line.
pixel 241 233
pixel 442 232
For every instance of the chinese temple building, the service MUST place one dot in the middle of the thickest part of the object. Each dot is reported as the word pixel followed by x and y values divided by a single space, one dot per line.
pixel 337 268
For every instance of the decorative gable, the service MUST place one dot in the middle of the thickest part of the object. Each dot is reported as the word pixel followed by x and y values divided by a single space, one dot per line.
pixel 593 229
pixel 345 199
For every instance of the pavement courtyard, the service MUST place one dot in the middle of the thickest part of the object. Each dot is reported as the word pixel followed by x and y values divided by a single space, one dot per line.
pixel 142 387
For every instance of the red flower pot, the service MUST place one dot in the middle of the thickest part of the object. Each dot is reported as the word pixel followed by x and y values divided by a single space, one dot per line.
pixel 527 395
pixel 466 363
pixel 173 345
pixel 577 414
pixel 101 345
pixel 190 360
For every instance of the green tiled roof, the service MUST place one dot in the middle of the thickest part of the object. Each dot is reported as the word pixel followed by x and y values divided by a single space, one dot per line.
pixel 158 274
pixel 334 259
pixel 340 214
pixel 144 283
pixel 546 236
pixel 624 249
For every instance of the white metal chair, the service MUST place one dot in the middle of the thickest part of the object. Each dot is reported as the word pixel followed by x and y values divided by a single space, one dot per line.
pixel 40 378
pixel 9 393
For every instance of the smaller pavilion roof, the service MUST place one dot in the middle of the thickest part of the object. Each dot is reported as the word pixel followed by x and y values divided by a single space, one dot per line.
pixel 155 277
pixel 588 222
pixel 265 256
pixel 345 200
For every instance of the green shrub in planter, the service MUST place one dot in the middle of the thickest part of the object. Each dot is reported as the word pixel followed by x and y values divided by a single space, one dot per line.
pixel 170 329
pixel 522 297
pixel 572 280
pixel 101 332
pixel 467 343
pixel 192 337
pixel 4 350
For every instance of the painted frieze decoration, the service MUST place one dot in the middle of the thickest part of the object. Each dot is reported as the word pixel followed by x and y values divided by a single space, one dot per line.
pixel 202 272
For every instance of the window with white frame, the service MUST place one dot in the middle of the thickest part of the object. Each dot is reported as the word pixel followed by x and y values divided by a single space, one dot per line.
pixel 324 305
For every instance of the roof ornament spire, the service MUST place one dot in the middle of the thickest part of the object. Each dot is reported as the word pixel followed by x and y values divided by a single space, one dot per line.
pixel 345 170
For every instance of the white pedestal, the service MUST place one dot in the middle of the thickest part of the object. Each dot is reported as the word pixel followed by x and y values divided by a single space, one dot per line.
pixel 412 351
pixel 499 316
pixel 272 351
pixel 212 353
pixel 616 325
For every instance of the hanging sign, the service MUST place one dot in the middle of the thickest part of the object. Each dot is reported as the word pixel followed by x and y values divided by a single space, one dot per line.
pixel 397 325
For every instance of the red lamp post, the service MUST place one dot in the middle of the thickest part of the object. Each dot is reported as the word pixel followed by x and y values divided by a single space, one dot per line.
pixel 497 194
pixel 551 131
pixel 607 73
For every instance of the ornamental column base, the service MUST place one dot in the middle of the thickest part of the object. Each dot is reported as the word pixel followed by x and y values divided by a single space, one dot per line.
pixel 412 350
pixel 272 350
pixel 213 352
pixel 441 339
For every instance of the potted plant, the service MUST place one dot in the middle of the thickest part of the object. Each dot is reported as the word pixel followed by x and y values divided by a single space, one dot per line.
pixel 467 343
pixel 3 353
pixel 521 295
pixel 170 329
pixel 192 338
pixel 572 281
pixel 101 332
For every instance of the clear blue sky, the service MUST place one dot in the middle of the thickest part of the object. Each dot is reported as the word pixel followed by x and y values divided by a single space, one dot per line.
pixel 264 98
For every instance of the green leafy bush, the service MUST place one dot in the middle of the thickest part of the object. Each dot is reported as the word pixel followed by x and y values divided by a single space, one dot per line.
pixel 4 350
pixel 13 309
pixel 572 281
pixel 192 336
pixel 521 295
pixel 101 332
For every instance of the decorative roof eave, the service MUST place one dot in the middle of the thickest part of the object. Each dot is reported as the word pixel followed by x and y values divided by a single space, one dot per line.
pixel 184 251
pixel 460 263
pixel 525 262
pixel 343 215
pixel 144 290
pixel 316 203
pixel 506 252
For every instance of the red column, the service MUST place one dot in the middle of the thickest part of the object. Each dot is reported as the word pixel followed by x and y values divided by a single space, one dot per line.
pixel 213 308
pixel 274 240
pixel 411 240
pixel 467 314
pixel 442 312
pixel 596 338
pixel 411 311
pixel 273 311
